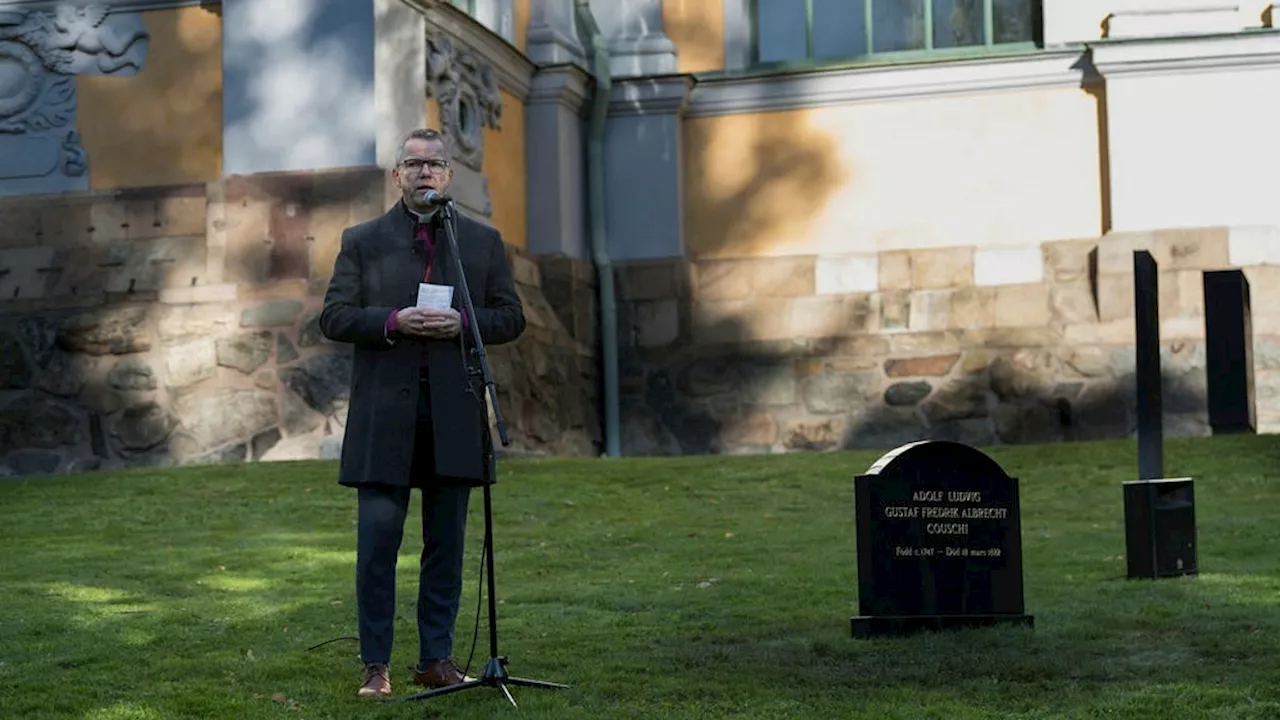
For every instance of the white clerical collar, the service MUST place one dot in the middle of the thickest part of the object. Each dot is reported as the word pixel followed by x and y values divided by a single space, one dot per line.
pixel 422 217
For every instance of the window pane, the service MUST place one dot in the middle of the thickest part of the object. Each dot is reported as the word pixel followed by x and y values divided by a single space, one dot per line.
pixel 1015 20
pixel 958 23
pixel 839 28
pixel 781 30
pixel 897 25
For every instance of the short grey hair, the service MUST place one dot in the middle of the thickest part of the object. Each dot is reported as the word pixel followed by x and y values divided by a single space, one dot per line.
pixel 418 134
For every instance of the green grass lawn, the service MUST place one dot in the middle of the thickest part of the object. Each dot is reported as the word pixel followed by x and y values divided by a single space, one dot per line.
pixel 659 588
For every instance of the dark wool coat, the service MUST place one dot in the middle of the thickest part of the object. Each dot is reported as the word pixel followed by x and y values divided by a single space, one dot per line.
pixel 377 270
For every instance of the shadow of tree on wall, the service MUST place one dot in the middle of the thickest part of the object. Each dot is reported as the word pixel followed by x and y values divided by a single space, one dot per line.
pixel 748 180
pixel 164 125
pixel 833 394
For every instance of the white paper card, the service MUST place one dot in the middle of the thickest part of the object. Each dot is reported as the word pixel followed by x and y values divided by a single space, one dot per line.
pixel 435 297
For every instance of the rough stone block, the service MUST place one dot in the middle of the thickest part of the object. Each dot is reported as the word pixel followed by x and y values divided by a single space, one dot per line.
pixel 66 224
pixel 657 322
pixel 191 362
pixel 852 273
pixel 248 241
pixel 25 273
pixel 1181 293
pixel 823 316
pixel 1069 261
pixel 930 310
pixel 1192 248
pixel 1111 332
pixel 831 393
pixel 108 221
pixel 756 431
pixel 1086 361
pixel 1115 251
pixel 895 310
pixel 935 268
pixel 1115 296
pixel 1008 265
pixel 182 213
pixel 1071 303
pixel 1022 306
pixel 736 321
pixel 178 323
pixel 109 330
pixel 273 313
pixel 789 276
pixel 973 307
pixel 825 434
pixel 930 343
pixel 19 225
pixel 1251 245
pixel 654 280
pixel 928 366
pixel 1264 288
pixel 894 270
pixel 324 232
pixel 149 265
pixel 525 270
pixel 198 294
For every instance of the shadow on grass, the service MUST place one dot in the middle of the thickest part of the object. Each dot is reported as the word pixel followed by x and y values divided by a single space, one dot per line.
pixel 676 587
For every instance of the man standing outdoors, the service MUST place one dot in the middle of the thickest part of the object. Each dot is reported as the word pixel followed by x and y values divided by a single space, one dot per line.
pixel 415 420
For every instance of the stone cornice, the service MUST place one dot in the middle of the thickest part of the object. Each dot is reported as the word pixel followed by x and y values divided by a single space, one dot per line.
pixel 727 94
pixel 568 85
pixel 514 70
pixel 1252 49
pixel 661 95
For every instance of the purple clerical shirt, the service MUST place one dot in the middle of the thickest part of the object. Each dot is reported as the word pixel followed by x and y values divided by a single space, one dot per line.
pixel 424 233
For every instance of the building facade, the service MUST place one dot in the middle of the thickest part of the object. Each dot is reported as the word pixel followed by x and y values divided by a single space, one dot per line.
pixel 737 225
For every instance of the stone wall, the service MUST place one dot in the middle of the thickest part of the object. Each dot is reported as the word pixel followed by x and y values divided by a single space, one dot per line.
pixel 179 324
pixel 870 351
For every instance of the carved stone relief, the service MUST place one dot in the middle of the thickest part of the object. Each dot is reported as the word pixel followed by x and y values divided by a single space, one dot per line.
pixel 465 86
pixel 40 53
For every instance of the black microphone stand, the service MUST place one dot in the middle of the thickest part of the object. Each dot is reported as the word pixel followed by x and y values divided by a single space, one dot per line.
pixel 495 670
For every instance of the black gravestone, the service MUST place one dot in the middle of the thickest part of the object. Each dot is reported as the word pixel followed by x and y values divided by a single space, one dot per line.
pixel 1146 317
pixel 1228 339
pixel 1159 514
pixel 939 542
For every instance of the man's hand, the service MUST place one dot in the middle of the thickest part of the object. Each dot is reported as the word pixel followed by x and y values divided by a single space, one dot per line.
pixel 426 323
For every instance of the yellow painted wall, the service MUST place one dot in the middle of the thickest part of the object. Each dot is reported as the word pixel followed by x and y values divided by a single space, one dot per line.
pixel 1082 20
pixel 697 29
pixel 522 24
pixel 162 126
pixel 505 167
pixel 986 170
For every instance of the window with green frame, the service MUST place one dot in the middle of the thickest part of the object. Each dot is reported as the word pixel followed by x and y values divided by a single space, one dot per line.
pixel 466 6
pixel 835 30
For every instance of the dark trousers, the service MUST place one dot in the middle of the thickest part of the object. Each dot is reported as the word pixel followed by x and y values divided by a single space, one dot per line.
pixel 381 518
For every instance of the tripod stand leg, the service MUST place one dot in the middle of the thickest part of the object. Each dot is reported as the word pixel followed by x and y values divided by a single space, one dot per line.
pixel 505 691
pixel 525 682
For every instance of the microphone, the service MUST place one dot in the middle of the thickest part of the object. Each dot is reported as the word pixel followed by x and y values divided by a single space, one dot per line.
pixel 433 198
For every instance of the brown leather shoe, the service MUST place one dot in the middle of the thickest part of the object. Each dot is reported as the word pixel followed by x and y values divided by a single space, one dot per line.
pixel 376 681
pixel 441 673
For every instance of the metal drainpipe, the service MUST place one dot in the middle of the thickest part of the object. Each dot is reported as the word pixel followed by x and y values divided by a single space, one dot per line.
pixel 599 244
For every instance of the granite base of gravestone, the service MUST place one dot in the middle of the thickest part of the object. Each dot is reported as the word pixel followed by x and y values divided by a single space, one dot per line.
pixel 939 542
pixel 1160 528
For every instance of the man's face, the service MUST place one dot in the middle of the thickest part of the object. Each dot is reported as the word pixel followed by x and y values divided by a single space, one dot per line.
pixel 425 166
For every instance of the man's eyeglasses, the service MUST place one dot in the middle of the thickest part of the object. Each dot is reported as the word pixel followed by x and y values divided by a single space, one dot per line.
pixel 415 165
